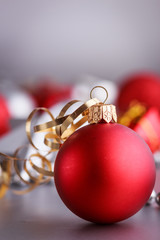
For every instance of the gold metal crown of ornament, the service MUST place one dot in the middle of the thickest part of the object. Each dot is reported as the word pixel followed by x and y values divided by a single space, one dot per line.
pixel 101 112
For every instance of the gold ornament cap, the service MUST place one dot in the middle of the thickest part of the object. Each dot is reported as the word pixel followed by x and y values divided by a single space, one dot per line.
pixel 102 112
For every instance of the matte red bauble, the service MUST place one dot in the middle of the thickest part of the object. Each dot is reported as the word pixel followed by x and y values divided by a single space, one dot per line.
pixel 104 173
pixel 143 87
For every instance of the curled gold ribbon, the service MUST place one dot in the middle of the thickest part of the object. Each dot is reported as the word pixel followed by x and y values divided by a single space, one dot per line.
pixel 63 126
pixel 57 131
pixel 29 121
pixel 33 182
pixel 41 170
pixel 5 177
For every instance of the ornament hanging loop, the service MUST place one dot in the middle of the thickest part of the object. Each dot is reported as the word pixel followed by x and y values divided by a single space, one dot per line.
pixel 91 92
pixel 101 112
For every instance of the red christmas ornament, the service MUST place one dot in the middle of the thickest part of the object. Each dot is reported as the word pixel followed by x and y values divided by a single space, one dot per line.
pixel 148 127
pixel 144 87
pixel 47 93
pixel 4 117
pixel 146 122
pixel 104 173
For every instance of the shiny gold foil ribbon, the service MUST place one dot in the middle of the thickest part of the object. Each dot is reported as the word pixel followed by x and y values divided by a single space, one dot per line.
pixel 57 131
pixel 133 114
pixel 63 126
pixel 33 182
pixel 5 177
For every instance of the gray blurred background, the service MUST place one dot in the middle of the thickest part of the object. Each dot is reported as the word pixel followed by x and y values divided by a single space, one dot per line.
pixel 69 38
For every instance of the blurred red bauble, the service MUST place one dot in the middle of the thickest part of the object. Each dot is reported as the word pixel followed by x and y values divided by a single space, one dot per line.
pixel 104 173
pixel 143 87
pixel 47 92
pixel 4 116
pixel 146 122
pixel 148 127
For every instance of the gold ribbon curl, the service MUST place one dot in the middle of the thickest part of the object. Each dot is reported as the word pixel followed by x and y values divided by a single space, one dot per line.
pixel 57 131
pixel 63 126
